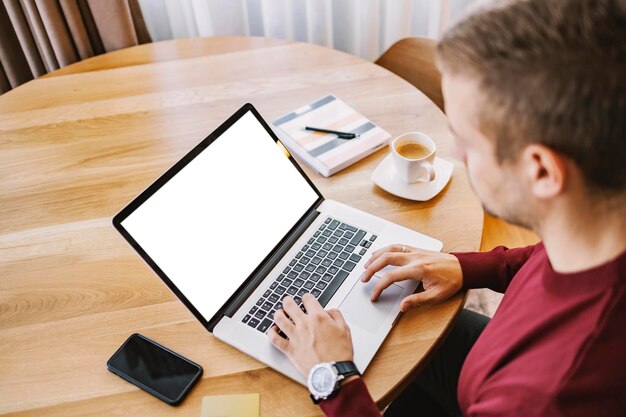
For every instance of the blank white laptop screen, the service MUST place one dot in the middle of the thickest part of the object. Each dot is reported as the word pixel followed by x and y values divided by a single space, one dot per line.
pixel 211 225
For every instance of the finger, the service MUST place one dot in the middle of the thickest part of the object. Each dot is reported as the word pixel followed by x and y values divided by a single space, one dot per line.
pixel 311 304
pixel 389 258
pixel 284 323
pixel 423 298
pixel 337 317
pixel 400 274
pixel 376 254
pixel 277 340
pixel 291 308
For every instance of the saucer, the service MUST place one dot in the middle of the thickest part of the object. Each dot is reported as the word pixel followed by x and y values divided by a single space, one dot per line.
pixel 385 177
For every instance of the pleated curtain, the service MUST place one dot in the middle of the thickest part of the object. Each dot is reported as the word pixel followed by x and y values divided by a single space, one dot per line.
pixel 39 36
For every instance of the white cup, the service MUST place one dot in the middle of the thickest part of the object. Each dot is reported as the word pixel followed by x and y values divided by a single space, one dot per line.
pixel 419 169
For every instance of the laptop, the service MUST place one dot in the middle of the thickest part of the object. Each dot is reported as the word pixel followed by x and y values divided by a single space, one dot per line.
pixel 236 225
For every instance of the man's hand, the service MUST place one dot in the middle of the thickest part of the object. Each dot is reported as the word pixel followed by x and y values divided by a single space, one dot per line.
pixel 315 336
pixel 440 273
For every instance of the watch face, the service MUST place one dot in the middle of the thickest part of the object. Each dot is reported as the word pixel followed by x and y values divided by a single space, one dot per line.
pixel 323 381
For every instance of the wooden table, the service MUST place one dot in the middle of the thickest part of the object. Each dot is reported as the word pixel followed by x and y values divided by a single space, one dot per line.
pixel 79 143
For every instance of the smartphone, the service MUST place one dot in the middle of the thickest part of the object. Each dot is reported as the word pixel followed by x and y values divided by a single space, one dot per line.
pixel 155 369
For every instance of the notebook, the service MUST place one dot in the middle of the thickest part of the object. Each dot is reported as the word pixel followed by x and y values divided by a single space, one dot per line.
pixel 326 153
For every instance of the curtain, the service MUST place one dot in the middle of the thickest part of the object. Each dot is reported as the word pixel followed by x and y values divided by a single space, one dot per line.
pixel 39 36
pixel 361 27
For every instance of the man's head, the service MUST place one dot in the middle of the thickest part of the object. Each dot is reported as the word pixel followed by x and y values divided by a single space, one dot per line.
pixel 535 91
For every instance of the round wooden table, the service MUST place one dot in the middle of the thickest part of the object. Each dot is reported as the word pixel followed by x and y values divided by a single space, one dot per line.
pixel 81 142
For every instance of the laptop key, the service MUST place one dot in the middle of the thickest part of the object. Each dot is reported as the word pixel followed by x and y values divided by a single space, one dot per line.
pixel 260 301
pixel 338 263
pixel 260 314
pixel 348 235
pixel 363 251
pixel 271 314
pixel 316 260
pixel 351 228
pixel 333 270
pixel 344 255
pixel 327 246
pixel 298 268
pixel 287 269
pixel 297 300
pixel 267 306
pixel 333 224
pixel 287 282
pixel 246 318
pixel 280 290
pixel 253 310
pixel 310 253
pixel 299 254
pixel 309 284
pixel 265 324
pixel 327 220
pixel 332 288
pixel 253 322
pixel 298 282
pixel 292 274
pixel 305 260
pixel 280 277
pixel 368 244
pixel 333 239
pixel 326 262
pixel 311 241
pixel 266 294
pixel 355 258
pixel 321 285
pixel 321 240
pixel 310 268
pixel 316 234
pixel 327 277
pixel 338 233
pixel 305 275
pixel 326 233
pixel 315 277
pixel 315 292
pixel 273 298
pixel 322 253
pixel 274 284
pixel 357 237
pixel 292 290
pixel 349 265
pixel 320 269
pixel 373 238
pixel 278 306
pixel 316 246
pixel 338 248
pixel 332 255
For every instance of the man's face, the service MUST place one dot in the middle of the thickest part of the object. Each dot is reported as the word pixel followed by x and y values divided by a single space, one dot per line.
pixel 499 187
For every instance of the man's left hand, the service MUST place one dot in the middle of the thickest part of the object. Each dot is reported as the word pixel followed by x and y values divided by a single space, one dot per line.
pixel 315 336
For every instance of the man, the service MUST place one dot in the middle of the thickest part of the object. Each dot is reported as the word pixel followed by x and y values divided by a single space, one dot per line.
pixel 535 93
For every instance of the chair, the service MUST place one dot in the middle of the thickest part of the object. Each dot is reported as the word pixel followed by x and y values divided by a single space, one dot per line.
pixel 37 37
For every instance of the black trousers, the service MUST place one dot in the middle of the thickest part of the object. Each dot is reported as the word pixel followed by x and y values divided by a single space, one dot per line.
pixel 433 393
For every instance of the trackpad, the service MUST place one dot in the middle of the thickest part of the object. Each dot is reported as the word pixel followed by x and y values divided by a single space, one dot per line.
pixel 358 309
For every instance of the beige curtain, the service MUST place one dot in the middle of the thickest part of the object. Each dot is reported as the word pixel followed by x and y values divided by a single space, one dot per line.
pixel 39 36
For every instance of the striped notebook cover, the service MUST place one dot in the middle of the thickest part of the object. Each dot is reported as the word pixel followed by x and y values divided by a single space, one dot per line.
pixel 325 153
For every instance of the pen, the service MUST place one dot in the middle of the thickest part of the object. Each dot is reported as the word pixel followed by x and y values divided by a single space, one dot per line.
pixel 342 135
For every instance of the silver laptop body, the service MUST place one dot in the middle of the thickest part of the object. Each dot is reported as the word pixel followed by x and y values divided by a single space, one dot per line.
pixel 236 225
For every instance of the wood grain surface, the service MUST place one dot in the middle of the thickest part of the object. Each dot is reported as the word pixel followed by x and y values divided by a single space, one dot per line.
pixel 81 142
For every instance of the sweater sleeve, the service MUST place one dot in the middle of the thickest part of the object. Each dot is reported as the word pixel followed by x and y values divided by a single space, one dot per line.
pixel 494 269
pixel 353 399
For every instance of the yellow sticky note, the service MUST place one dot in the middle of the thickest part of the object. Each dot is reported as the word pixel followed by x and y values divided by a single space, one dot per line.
pixel 239 405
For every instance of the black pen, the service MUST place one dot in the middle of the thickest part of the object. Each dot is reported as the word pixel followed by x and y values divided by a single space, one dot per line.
pixel 342 135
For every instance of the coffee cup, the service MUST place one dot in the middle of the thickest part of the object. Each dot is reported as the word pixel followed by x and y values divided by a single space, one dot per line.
pixel 414 156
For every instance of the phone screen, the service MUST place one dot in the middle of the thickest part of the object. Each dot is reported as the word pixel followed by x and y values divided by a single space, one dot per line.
pixel 154 368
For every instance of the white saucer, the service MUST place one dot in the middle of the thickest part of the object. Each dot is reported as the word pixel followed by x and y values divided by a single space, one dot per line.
pixel 385 177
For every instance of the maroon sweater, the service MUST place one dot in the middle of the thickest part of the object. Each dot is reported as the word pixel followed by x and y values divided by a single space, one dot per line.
pixel 555 347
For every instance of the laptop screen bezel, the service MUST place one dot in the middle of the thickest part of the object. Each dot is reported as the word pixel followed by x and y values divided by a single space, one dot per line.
pixel 169 174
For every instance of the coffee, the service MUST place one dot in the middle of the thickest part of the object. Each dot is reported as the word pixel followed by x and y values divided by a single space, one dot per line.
pixel 413 150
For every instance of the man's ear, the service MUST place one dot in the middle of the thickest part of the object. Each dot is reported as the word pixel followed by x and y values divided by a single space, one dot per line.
pixel 545 169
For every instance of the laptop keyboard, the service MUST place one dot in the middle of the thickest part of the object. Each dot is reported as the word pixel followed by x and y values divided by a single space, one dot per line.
pixel 319 268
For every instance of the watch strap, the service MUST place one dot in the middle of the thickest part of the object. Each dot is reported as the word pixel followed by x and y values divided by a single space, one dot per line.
pixel 346 368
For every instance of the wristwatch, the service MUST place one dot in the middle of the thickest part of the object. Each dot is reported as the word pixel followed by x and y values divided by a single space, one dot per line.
pixel 323 380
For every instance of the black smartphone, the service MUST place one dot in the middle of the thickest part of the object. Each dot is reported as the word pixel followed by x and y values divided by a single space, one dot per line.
pixel 155 369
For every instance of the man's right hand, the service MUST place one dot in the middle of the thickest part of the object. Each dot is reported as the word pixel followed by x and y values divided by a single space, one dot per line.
pixel 440 273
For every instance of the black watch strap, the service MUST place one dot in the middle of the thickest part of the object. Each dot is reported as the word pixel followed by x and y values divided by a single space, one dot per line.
pixel 346 368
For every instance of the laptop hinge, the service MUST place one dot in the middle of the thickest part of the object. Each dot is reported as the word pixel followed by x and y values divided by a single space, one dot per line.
pixel 271 263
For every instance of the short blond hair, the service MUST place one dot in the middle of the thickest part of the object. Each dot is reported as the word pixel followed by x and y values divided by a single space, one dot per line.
pixel 552 72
